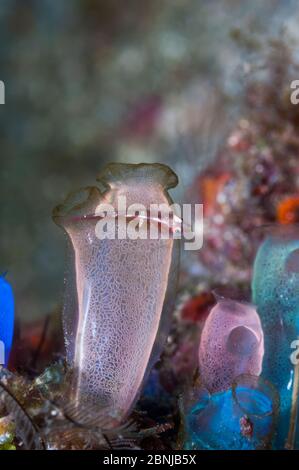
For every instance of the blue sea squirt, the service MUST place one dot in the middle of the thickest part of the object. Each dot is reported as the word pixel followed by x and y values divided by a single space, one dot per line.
pixel 242 417
pixel 275 289
pixel 6 319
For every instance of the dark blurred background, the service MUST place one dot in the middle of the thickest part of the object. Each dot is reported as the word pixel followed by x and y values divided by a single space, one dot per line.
pixel 93 81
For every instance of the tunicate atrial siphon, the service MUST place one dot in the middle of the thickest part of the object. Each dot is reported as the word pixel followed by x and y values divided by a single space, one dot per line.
pixel 232 343
pixel 275 290
pixel 116 288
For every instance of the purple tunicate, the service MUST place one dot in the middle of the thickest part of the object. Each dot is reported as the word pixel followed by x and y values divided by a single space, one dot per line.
pixel 116 287
pixel 232 343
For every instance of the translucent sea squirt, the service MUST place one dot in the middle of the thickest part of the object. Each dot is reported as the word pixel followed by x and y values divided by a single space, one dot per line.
pixel 116 289
pixel 275 289
pixel 232 343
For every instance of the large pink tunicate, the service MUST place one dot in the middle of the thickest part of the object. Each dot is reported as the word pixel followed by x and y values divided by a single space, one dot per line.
pixel 232 343
pixel 116 288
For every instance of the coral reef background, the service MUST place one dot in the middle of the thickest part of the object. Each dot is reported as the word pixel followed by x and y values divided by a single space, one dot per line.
pixel 88 82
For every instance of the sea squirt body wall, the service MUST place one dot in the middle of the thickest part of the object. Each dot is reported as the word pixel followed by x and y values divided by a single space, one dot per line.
pixel 231 344
pixel 113 318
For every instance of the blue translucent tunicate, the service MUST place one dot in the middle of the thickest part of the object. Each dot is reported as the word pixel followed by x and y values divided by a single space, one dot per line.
pixel 222 422
pixel 275 290
pixel 6 319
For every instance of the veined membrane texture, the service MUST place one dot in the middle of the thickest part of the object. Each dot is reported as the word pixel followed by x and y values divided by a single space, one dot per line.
pixel 275 289
pixel 113 313
pixel 121 289
pixel 231 344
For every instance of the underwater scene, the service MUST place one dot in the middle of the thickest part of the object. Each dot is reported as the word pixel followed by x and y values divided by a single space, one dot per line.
pixel 149 225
